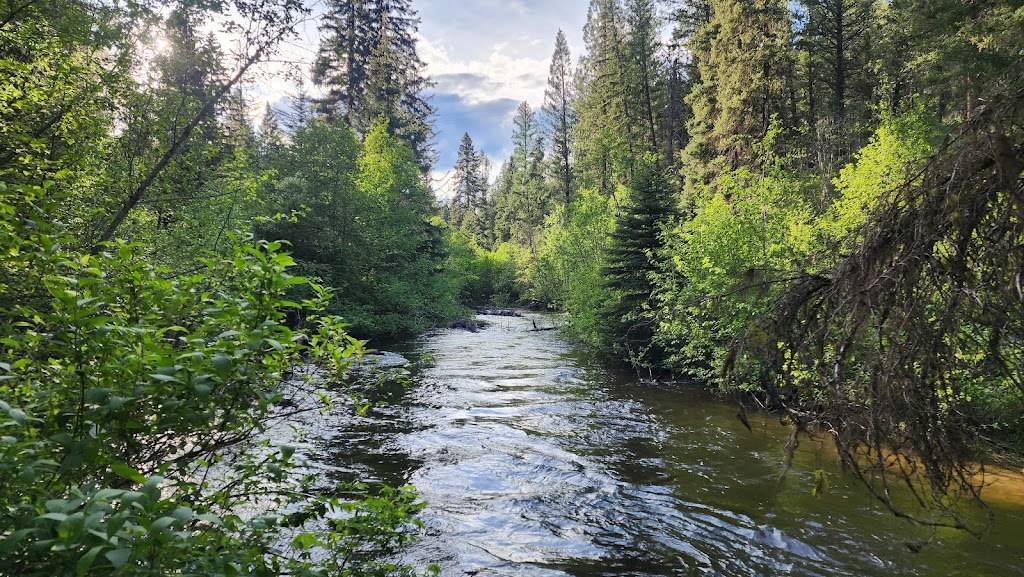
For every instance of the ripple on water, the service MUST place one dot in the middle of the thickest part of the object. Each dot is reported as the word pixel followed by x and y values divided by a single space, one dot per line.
pixel 534 464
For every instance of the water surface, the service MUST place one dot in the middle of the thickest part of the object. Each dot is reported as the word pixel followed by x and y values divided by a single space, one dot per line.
pixel 535 461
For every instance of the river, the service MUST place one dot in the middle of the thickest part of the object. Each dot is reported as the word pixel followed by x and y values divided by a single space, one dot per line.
pixel 533 460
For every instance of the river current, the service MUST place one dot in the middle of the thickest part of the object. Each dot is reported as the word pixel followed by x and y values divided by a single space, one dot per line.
pixel 533 460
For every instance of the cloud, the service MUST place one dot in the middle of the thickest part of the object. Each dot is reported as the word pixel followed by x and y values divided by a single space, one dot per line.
pixel 479 79
pixel 485 57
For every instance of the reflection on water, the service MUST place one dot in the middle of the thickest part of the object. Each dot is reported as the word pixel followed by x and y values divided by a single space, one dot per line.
pixel 533 461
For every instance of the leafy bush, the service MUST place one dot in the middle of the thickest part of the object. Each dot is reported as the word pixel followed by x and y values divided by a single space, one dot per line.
pixel 131 401
pixel 567 269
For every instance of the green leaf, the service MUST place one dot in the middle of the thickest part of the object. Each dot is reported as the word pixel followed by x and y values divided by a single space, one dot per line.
pixel 182 514
pixel 86 561
pixel 127 472
pixel 18 416
pixel 8 543
pixel 167 379
pixel 53 516
pixel 119 557
pixel 222 363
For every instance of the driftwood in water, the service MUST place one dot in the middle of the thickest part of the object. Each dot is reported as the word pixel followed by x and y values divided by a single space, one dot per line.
pixel 498 312
pixel 466 325
pixel 541 329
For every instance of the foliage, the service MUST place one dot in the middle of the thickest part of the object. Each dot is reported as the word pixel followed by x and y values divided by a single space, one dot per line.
pixel 725 264
pixel 369 64
pixel 633 253
pixel 923 318
pixel 131 402
pixel 560 118
pixel 567 272
pixel 891 159
pixel 487 277
pixel 359 217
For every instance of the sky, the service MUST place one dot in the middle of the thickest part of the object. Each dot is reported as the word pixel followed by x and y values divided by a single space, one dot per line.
pixel 485 56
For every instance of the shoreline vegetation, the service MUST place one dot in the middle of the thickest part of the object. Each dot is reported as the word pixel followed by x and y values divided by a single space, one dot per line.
pixel 815 206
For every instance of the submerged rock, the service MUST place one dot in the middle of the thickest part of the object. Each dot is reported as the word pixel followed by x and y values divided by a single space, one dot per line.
pixel 380 360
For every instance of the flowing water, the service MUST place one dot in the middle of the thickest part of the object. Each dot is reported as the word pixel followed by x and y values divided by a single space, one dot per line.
pixel 535 461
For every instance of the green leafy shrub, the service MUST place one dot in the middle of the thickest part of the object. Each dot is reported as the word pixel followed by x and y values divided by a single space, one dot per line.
pixel 130 406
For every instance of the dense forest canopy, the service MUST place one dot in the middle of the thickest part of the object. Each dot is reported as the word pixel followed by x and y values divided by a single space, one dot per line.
pixel 816 205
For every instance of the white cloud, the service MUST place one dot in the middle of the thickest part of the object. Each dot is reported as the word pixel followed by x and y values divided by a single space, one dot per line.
pixel 481 79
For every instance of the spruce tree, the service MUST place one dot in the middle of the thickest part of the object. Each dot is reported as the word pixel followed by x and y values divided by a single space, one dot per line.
pixel 689 47
pixel 603 136
pixel 631 262
pixel 529 197
pixel 840 83
pixel 560 117
pixel 342 62
pixel 369 63
pixel 270 128
pixel 301 109
pixel 470 188
pixel 642 71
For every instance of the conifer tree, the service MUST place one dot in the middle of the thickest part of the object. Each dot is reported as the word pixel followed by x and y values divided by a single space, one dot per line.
pixel 369 62
pixel 470 189
pixel 342 63
pixel 635 244
pixel 301 109
pixel 603 136
pixel 560 117
pixel 690 45
pixel 742 84
pixel 642 84
pixel 840 85
pixel 270 128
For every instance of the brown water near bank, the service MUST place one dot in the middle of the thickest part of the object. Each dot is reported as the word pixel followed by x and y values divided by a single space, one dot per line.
pixel 535 461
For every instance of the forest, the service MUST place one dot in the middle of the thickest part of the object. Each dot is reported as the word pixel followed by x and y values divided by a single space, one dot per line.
pixel 814 207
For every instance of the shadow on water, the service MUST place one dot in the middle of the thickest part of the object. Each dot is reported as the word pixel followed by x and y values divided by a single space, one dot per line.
pixel 535 461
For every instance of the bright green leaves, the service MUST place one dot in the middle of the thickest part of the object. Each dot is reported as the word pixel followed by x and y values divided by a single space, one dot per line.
pixel 115 370
pixel 127 472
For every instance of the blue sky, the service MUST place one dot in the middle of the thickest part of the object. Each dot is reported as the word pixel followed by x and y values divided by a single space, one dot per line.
pixel 487 56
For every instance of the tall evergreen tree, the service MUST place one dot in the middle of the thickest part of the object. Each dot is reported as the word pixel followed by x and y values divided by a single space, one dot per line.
pixel 270 128
pixel 301 109
pixel 522 200
pixel 603 136
pixel 369 62
pixel 642 84
pixel 742 84
pixel 470 190
pixel 560 116
pixel 635 244
pixel 343 61
pixel 840 83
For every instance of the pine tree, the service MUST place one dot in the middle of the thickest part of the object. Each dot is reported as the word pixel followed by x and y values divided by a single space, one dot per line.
pixel 530 197
pixel 368 61
pixel 470 189
pixel 742 85
pixel 603 136
pixel 301 109
pixel 840 83
pixel 270 128
pixel 689 47
pixel 642 83
pixel 635 243
pixel 560 117
pixel 342 63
